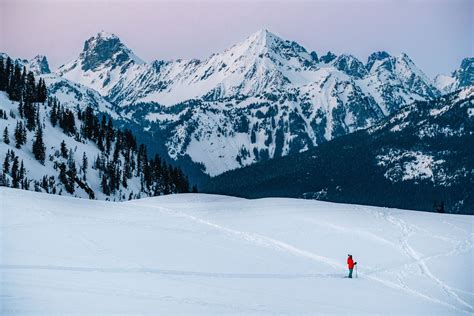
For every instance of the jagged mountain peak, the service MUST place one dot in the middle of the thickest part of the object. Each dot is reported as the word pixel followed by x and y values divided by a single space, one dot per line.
pixel 264 43
pixel 461 77
pixel 350 65
pixel 106 48
pixel 106 35
pixel 330 56
pixel 39 65
pixel 262 35
pixel 101 63
pixel 401 64
pixel 375 56
pixel 466 72
pixel 404 58
pixel 99 38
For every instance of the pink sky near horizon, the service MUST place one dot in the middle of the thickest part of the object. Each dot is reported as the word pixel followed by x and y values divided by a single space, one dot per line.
pixel 435 34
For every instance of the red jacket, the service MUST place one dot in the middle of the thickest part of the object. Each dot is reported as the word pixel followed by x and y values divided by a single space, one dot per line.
pixel 350 263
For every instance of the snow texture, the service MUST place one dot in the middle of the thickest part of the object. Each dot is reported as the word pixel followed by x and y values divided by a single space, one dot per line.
pixel 207 254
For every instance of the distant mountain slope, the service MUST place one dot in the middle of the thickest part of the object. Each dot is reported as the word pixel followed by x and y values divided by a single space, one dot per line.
pixel 262 98
pixel 421 155
pixel 460 78
pixel 64 142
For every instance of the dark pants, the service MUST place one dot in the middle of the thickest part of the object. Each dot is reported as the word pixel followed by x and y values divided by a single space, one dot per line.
pixel 350 273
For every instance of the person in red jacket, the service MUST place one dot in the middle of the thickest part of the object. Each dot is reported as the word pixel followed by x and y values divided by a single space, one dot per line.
pixel 350 264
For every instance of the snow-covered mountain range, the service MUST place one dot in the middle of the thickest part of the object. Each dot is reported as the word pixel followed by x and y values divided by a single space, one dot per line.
pixel 419 155
pixel 261 98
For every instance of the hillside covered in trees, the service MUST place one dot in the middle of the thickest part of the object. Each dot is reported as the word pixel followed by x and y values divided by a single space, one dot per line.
pixel 48 147
pixel 421 158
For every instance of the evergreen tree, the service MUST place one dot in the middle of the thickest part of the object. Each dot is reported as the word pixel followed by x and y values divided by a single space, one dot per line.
pixel 116 155
pixel 104 185
pixel 100 143
pixel 67 122
pixel 31 114
pixel 21 174
pixel 20 134
pixel 15 173
pixel 63 149
pixel 89 125
pixel 22 82
pixel 20 108
pixel 109 134
pixel 62 173
pixel 7 73
pixel 6 137
pixel 3 76
pixel 30 88
pixel 15 85
pixel 64 177
pixel 84 166
pixel 39 149
pixel 42 92
pixel 53 114
pixel 72 172
pixel 6 163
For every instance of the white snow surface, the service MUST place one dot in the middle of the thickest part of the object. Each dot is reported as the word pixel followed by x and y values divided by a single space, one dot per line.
pixel 445 83
pixel 206 254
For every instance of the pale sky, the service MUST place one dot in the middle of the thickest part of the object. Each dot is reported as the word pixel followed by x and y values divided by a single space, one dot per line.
pixel 436 34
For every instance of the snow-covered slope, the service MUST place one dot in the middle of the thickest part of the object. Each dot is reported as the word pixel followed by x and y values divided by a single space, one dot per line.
pixel 53 136
pixel 205 254
pixel 419 156
pixel 283 98
pixel 76 96
pixel 460 78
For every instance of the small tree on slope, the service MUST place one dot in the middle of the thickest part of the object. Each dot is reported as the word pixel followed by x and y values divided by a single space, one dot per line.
pixel 39 149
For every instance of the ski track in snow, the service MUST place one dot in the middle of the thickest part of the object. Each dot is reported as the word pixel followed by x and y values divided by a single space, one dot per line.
pixel 407 230
pixel 171 272
pixel 116 265
pixel 268 242
pixel 257 239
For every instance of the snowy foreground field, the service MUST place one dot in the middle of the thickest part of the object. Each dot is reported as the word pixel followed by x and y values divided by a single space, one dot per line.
pixel 205 254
